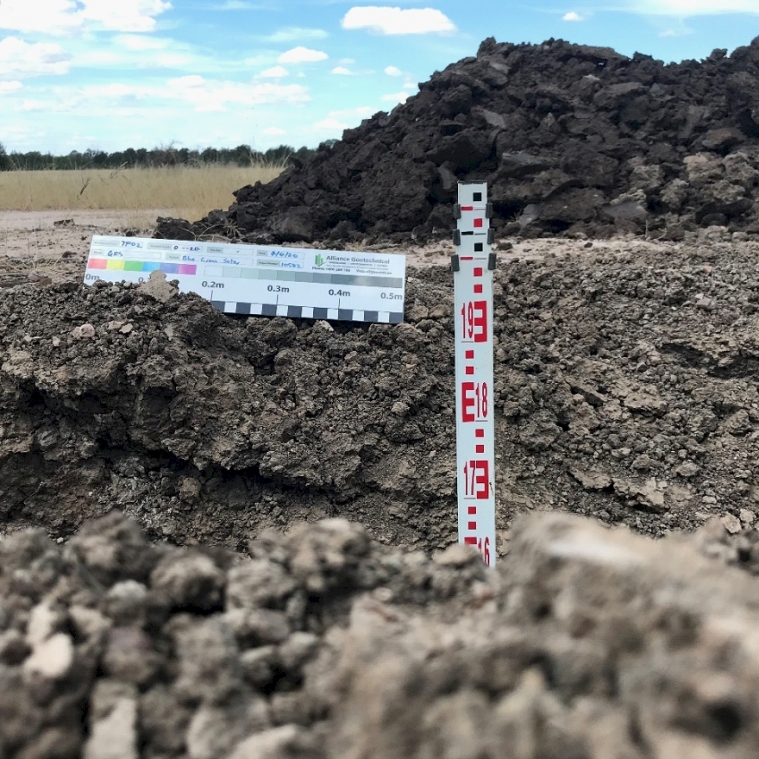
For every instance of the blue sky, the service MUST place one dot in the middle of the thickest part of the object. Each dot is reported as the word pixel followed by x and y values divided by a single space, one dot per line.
pixel 112 74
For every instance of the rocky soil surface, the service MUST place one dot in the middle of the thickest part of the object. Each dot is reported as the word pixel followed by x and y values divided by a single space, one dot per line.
pixel 584 644
pixel 624 389
pixel 571 139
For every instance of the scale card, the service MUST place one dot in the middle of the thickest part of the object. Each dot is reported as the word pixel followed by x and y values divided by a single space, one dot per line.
pixel 473 266
pixel 261 280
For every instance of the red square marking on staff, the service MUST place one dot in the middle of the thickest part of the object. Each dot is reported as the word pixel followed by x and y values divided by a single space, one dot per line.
pixel 470 370
pixel 479 433
pixel 471 525
pixel 467 258
pixel 470 541
pixel 478 222
pixel 478 272
pixel 479 449
pixel 472 510
pixel 478 289
pixel 470 355
pixel 467 208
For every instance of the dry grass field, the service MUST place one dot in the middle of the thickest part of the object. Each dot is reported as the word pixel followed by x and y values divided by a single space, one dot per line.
pixel 189 191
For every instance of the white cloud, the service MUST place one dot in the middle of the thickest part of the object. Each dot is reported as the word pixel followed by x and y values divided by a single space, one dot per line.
pixel 125 15
pixel 686 8
pixel 396 97
pixel 62 16
pixel 131 52
pixel 276 72
pixel 34 105
pixel 410 86
pixel 234 5
pixel 680 31
pixel 295 33
pixel 7 87
pixel 386 20
pixel 139 43
pixel 330 125
pixel 191 80
pixel 273 131
pixel 39 16
pixel 22 59
pixel 341 70
pixel 393 71
pixel 217 95
pixel 204 95
pixel 572 16
pixel 302 55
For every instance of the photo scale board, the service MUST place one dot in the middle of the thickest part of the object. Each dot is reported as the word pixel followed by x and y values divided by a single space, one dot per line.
pixel 261 280
pixel 473 340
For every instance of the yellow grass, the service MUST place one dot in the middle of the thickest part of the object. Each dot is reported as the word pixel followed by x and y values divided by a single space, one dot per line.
pixel 190 192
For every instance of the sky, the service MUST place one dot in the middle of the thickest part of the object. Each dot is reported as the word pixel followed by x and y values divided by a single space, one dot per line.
pixel 113 74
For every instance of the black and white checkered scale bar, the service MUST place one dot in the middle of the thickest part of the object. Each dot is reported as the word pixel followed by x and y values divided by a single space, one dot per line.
pixel 306 312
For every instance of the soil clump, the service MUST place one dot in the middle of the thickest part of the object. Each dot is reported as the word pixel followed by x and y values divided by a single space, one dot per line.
pixel 571 139
pixel 585 644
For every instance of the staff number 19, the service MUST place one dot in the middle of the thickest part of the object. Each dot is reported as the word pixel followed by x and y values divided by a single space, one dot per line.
pixel 474 321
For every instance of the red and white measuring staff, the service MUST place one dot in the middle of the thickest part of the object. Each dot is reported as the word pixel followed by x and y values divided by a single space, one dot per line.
pixel 473 265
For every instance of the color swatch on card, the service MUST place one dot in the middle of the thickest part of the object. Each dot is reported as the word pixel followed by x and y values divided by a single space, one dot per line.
pixel 118 264
pixel 261 280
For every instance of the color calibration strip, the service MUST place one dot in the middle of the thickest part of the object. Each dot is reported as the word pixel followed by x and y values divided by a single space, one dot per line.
pixel 119 264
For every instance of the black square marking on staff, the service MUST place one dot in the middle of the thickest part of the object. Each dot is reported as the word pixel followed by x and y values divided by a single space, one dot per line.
pixel 396 318
pixel 345 314
pixel 268 310
pixel 242 308
pixel 371 316
pixel 320 313
pixel 477 196
pixel 478 247
pixel 295 312
pixel 218 304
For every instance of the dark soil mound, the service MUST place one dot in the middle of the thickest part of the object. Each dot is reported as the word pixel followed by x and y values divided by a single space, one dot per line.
pixel 584 644
pixel 570 139
pixel 625 387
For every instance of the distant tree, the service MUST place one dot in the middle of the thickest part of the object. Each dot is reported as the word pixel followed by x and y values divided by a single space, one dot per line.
pixel 210 155
pixel 243 155
pixel 162 155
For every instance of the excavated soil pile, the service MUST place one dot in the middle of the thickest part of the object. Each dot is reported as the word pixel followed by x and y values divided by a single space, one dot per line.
pixel 570 139
pixel 625 388
pixel 584 644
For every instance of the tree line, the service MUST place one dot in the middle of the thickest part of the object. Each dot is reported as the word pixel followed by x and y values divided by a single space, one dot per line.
pixel 242 155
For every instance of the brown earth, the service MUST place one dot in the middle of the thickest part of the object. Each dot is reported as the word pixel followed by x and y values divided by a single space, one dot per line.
pixel 624 389
pixel 572 140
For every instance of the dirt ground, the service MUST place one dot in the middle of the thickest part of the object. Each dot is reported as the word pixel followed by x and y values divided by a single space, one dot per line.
pixel 235 538
pixel 625 391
